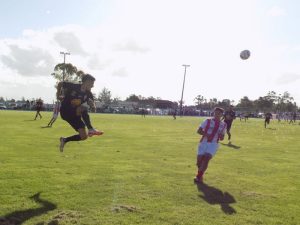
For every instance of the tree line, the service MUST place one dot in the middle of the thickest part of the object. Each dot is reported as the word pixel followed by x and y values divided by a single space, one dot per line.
pixel 270 102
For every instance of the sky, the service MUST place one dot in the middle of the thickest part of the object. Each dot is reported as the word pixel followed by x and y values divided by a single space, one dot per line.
pixel 139 47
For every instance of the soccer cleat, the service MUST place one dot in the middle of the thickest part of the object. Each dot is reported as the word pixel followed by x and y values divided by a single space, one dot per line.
pixel 198 179
pixel 93 132
pixel 62 144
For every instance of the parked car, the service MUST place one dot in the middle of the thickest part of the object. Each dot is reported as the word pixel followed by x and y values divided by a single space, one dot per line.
pixel 2 106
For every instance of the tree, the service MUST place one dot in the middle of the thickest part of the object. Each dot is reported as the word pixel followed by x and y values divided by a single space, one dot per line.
pixel 163 104
pixel 212 103
pixel 105 97
pixel 199 100
pixel 264 104
pixel 245 104
pixel 224 103
pixel 133 98
pixel 115 100
pixel 71 72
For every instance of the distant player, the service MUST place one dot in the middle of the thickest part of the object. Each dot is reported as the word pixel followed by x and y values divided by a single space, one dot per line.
pixel 212 130
pixel 55 113
pixel 247 115
pixel 242 117
pixel 228 117
pixel 38 108
pixel 279 117
pixel 174 114
pixel 143 113
pixel 293 117
pixel 74 108
pixel 268 117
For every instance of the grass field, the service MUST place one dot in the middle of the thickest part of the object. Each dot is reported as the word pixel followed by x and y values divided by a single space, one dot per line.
pixel 141 172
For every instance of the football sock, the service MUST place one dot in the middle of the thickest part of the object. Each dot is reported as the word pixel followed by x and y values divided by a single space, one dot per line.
pixel 200 173
pixel 86 119
pixel 73 138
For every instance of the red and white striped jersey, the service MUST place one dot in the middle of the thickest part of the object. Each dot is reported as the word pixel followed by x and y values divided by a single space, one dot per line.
pixel 214 130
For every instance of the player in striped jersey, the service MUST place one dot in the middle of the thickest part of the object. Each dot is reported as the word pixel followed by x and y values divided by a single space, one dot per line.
pixel 212 130
pixel 55 113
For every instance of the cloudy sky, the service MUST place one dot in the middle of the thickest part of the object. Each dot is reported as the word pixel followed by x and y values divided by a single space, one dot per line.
pixel 139 46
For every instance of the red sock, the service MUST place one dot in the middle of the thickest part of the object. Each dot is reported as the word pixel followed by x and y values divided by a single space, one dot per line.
pixel 200 173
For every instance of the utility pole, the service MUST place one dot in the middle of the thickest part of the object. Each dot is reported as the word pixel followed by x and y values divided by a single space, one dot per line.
pixel 64 53
pixel 185 66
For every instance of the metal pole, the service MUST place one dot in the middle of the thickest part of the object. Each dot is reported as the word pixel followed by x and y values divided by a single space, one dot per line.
pixel 185 66
pixel 64 53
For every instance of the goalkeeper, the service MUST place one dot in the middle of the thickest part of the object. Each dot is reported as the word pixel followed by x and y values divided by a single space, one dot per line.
pixel 75 101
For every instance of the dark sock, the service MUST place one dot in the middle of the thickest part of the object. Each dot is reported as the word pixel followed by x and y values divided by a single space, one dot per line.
pixel 73 138
pixel 86 119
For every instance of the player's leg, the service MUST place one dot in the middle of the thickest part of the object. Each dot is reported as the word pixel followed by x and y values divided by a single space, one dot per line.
pixel 200 158
pixel 228 133
pixel 50 122
pixel 267 121
pixel 54 118
pixel 228 127
pixel 91 131
pixel 207 157
pixel 210 151
pixel 79 126
pixel 38 114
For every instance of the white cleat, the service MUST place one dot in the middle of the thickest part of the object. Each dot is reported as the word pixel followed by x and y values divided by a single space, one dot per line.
pixel 93 132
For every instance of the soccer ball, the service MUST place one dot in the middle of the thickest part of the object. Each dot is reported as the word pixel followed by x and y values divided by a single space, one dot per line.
pixel 245 54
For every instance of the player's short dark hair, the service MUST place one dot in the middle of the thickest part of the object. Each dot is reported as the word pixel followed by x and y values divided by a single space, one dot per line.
pixel 86 77
pixel 219 109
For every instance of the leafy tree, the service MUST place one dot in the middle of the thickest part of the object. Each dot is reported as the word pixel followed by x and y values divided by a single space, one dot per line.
pixel 105 97
pixel 264 104
pixel 224 103
pixel 245 104
pixel 115 100
pixel 133 98
pixel 70 72
pixel 199 101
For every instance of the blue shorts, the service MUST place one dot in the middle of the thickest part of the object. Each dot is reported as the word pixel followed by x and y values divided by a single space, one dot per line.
pixel 207 148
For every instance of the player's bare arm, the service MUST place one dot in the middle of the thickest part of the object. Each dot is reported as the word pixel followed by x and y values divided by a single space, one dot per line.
pixel 200 131
pixel 92 105
pixel 221 137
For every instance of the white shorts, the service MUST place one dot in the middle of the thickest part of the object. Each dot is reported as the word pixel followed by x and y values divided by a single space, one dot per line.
pixel 207 147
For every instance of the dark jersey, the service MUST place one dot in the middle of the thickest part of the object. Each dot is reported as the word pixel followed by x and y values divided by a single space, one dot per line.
pixel 73 96
pixel 39 105
pixel 268 116
pixel 229 115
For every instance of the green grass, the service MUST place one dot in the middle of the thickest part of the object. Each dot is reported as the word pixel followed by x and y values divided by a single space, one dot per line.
pixel 141 172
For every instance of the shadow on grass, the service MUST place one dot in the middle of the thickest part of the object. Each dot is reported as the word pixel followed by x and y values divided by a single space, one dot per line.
pixel 29 120
pixel 230 145
pixel 19 217
pixel 215 196
pixel 46 127
pixel 271 128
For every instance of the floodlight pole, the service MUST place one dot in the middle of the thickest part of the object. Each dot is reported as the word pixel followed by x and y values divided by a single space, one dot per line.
pixel 185 66
pixel 64 53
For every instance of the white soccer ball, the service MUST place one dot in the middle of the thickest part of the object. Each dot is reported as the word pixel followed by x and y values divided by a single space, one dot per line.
pixel 245 54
